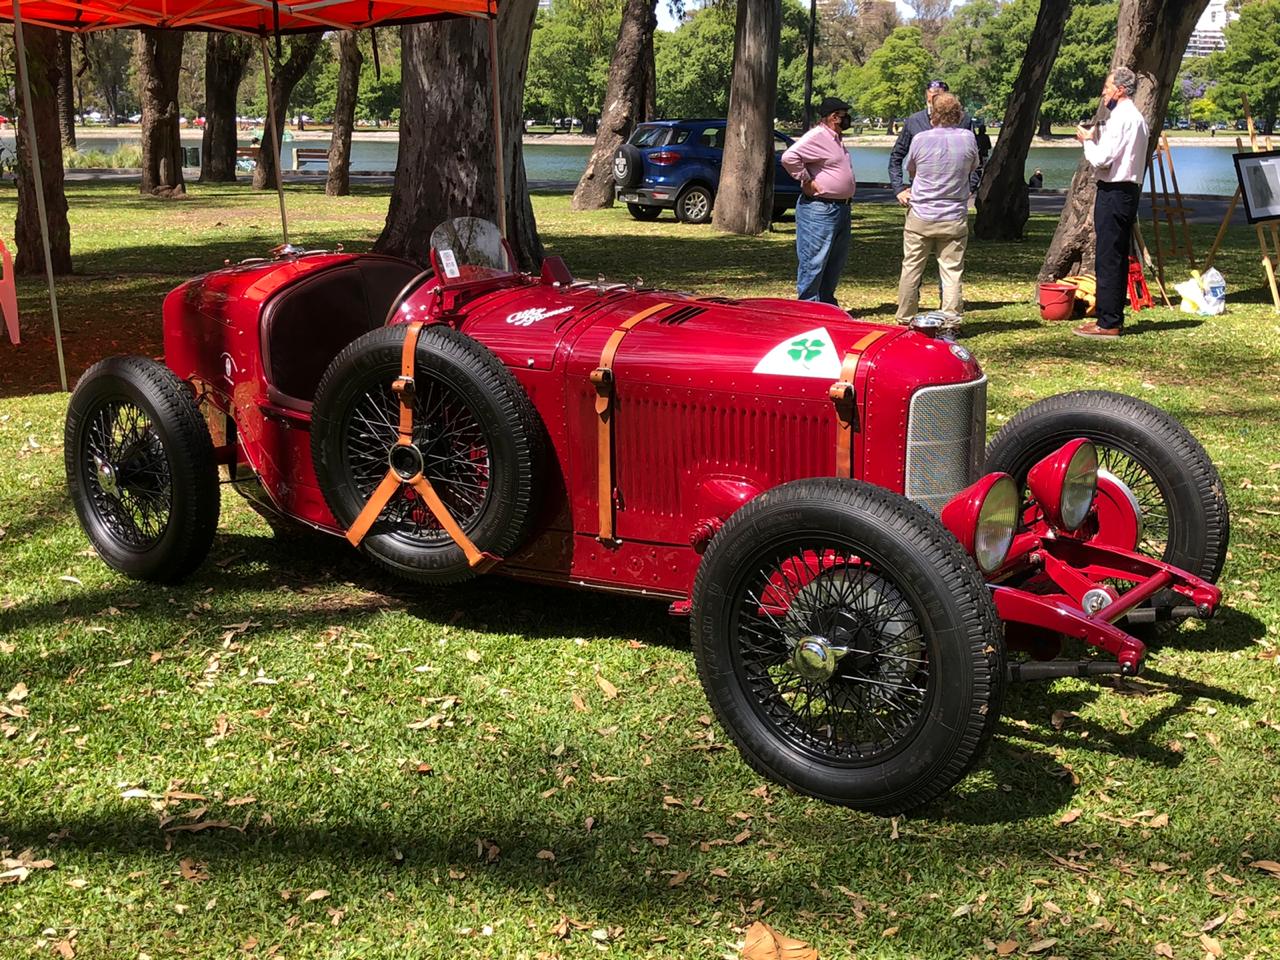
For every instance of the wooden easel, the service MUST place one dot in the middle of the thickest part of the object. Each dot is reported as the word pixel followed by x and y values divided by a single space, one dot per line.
pixel 1268 267
pixel 1167 209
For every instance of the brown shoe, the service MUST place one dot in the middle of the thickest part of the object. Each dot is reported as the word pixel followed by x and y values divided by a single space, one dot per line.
pixel 1091 329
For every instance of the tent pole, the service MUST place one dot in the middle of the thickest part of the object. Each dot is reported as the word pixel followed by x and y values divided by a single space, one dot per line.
pixel 38 176
pixel 274 134
pixel 497 125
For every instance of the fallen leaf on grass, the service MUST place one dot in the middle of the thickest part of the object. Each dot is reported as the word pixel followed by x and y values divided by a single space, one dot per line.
pixel 1025 906
pixel 1071 816
pixel 1267 866
pixel 659 840
pixel 579 704
pixel 1211 946
pixel 1006 947
pixel 678 878
pixel 240 801
pixel 19 692
pixel 204 825
pixel 1159 821
pixel 316 895
pixel 962 911
pixel 764 943
pixel 1060 718
pixel 610 691
pixel 546 855
pixel 65 948
pixel 1040 946
pixel 1164 950
pixel 191 870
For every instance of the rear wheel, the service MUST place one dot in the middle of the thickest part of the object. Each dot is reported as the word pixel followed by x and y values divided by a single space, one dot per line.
pixel 848 645
pixel 640 211
pixel 476 434
pixel 694 205
pixel 140 469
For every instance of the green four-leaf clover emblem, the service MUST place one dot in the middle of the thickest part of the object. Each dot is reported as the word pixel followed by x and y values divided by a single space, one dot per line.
pixel 805 350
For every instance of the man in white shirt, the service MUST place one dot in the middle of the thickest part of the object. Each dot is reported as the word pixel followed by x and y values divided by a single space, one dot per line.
pixel 1118 156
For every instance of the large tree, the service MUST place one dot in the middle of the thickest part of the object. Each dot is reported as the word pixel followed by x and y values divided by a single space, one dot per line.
pixel 1088 41
pixel 43 57
pixel 159 59
pixel 892 83
pixel 1003 206
pixel 445 166
pixel 1249 64
pixel 694 65
pixel 624 99
pixel 226 56
pixel 66 91
pixel 338 183
pixel 288 66
pixel 744 202
pixel 111 61
pixel 1150 39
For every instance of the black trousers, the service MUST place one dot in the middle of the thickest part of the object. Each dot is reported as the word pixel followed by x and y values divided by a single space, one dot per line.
pixel 1114 211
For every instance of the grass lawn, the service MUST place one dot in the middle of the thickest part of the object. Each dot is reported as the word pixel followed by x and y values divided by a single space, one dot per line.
pixel 289 756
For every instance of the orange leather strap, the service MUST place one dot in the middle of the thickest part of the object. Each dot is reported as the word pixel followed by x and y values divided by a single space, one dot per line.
pixel 404 388
pixel 843 396
pixel 602 378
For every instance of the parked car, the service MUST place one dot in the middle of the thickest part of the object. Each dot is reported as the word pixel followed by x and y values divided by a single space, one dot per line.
pixel 675 165
pixel 810 489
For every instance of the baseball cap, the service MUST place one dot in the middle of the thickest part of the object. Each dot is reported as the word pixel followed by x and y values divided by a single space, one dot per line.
pixel 937 85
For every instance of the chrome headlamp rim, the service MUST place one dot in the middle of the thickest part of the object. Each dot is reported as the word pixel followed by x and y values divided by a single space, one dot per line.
pixel 1079 487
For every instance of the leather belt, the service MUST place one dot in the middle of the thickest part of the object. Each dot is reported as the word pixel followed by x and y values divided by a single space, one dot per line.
pixel 844 397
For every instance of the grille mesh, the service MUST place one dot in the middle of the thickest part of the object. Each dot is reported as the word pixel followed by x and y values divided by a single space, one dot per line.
pixel 946 434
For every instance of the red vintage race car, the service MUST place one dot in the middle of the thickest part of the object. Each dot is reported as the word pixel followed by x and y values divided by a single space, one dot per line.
pixel 812 490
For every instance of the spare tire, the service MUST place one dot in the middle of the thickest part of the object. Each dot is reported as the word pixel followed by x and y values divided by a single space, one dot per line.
pixel 628 166
pixel 480 439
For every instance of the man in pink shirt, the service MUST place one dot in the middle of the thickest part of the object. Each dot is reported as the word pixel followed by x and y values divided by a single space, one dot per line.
pixel 822 165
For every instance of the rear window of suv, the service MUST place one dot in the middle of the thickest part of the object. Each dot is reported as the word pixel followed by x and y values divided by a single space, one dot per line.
pixel 650 136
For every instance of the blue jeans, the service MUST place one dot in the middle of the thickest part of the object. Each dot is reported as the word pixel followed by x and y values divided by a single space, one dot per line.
pixel 822 246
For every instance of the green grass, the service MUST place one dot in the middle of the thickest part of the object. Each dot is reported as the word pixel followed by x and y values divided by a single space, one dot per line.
pixel 289 672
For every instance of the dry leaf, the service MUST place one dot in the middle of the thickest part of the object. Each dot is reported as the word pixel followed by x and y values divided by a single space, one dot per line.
pixel 546 855
pixel 1211 946
pixel 1060 718
pixel 1040 946
pixel 764 943
pixel 962 911
pixel 1006 947
pixel 1025 906
pixel 889 932
pixel 659 840
pixel 678 878
pixel 610 691
pixel 316 895
pixel 579 704
pixel 19 692
pixel 1071 816
pixel 66 949
pixel 473 656
pixel 1164 950
pixel 1158 821
pixel 191 870
pixel 1269 866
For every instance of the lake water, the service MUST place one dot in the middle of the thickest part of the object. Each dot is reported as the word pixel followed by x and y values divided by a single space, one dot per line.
pixel 1200 169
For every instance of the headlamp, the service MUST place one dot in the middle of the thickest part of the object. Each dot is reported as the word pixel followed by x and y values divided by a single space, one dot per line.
pixel 983 517
pixel 1064 484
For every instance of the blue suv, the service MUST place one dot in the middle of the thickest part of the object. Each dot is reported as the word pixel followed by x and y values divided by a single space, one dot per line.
pixel 675 165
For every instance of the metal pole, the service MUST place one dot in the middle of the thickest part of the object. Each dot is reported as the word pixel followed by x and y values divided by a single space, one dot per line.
pixel 25 80
pixel 497 126
pixel 273 133
pixel 808 66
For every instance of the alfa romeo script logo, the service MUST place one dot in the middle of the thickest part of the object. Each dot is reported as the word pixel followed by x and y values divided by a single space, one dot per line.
pixel 527 318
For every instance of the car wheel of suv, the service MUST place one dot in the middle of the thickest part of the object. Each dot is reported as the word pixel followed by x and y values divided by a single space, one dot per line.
pixel 694 205
pixel 478 436
pixel 1185 520
pixel 628 166
pixel 848 645
pixel 641 212
pixel 140 469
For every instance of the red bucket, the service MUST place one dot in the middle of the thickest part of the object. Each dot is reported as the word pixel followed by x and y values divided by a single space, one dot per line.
pixel 1057 300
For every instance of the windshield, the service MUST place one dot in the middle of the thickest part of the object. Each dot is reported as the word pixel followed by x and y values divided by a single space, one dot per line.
pixel 649 136
pixel 468 248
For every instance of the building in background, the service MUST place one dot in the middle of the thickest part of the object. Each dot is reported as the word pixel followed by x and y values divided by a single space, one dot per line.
pixel 1208 36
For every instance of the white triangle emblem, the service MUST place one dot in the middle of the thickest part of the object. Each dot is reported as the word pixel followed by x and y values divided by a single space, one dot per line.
pixel 809 354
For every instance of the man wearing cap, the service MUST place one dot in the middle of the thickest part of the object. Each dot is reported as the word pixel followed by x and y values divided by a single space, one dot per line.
pixel 822 165
pixel 1118 156
pixel 919 122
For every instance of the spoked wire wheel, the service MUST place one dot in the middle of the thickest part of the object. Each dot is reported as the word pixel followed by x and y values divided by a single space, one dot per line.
pixel 1153 503
pixel 453 445
pixel 140 469
pixel 126 473
pixel 848 645
pixel 833 653
pixel 476 439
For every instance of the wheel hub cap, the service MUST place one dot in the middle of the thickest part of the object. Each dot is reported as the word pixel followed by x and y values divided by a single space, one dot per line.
pixel 107 478
pixel 815 659
pixel 406 460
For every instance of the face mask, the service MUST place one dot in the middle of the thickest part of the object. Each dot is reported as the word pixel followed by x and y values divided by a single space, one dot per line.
pixel 845 123
pixel 1111 104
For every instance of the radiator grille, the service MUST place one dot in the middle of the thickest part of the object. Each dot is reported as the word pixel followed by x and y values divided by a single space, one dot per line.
pixel 946 434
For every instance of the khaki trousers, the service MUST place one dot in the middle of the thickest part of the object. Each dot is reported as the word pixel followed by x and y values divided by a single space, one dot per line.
pixel 946 240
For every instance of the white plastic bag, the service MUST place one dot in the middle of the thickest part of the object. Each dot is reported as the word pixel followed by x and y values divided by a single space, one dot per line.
pixel 1204 294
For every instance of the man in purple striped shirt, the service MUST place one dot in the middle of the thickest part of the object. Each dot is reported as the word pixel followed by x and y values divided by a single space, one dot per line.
pixel 940 161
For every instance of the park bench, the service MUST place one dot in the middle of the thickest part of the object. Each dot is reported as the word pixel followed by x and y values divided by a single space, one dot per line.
pixel 309 155
pixel 247 153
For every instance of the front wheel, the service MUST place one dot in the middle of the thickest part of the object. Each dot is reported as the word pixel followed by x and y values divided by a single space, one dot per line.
pixel 1179 494
pixel 848 645
pixel 640 211
pixel 140 469
pixel 694 205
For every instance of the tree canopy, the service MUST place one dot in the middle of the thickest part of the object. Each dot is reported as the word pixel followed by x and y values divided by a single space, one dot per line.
pixel 1249 64
pixel 892 82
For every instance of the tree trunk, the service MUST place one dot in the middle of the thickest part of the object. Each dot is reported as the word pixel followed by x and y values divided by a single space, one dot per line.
pixel 446 163
pixel 66 95
pixel 649 100
pixel 338 183
pixel 225 59
pixel 1003 206
pixel 1150 40
pixel 159 60
pixel 623 105
pixel 43 55
pixel 1045 127
pixel 301 49
pixel 744 202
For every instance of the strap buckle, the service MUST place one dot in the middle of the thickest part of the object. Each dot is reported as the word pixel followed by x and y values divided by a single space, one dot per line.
pixel 404 388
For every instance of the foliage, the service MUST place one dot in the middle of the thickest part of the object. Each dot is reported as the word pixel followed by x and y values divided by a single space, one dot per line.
pixel 694 64
pixel 281 681
pixel 127 156
pixel 892 82
pixel 792 56
pixel 1084 57
pixel 851 31
pixel 964 54
pixel 112 69
pixel 378 96
pixel 1248 65
pixel 569 57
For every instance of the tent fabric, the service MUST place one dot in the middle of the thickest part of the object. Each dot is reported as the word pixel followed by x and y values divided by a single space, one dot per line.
pixel 262 17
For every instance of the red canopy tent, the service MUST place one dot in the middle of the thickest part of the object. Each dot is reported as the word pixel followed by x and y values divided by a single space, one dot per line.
pixel 261 18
